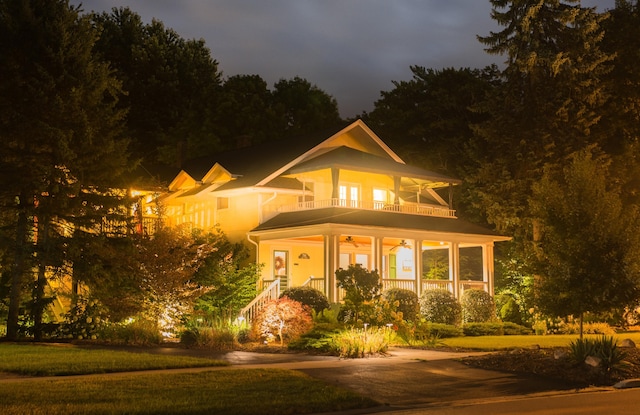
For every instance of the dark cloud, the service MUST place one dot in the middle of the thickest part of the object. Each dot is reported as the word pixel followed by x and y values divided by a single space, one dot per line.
pixel 352 49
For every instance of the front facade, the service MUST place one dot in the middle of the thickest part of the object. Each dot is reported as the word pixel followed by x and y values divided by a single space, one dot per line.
pixel 308 207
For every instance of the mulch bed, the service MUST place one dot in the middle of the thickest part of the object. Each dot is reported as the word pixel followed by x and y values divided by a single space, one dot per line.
pixel 557 364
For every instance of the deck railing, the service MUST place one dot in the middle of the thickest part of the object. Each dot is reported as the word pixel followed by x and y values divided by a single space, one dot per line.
pixel 410 208
pixel 314 282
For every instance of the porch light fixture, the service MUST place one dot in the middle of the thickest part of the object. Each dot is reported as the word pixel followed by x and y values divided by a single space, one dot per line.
pixel 304 255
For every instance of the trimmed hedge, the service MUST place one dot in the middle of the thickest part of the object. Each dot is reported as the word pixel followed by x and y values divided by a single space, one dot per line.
pixel 440 306
pixel 477 306
pixel 494 329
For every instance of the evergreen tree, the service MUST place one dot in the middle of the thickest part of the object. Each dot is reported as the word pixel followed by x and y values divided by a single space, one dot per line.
pixel 61 141
pixel 547 108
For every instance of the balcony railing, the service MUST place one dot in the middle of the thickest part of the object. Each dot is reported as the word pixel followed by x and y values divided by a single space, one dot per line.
pixel 410 208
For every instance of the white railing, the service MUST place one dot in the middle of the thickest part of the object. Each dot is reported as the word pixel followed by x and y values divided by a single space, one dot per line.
pixel 437 285
pixel 272 292
pixel 410 208
pixel 469 285
pixel 313 282
pixel 388 283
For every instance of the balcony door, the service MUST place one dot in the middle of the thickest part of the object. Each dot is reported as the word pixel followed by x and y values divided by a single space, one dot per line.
pixel 349 195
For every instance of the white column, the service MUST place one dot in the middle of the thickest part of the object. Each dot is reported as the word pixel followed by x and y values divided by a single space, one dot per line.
pixel 417 261
pixel 488 267
pixel 454 267
pixel 330 265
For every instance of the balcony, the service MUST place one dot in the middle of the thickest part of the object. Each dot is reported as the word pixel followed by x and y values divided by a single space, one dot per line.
pixel 408 208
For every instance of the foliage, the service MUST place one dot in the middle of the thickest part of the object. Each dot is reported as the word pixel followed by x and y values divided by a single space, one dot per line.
pixel 440 306
pixel 318 339
pixel 213 333
pixel 282 319
pixel 361 288
pixel 508 309
pixel 308 296
pixel 138 331
pixel 477 306
pixel 407 302
pixel 605 348
pixel 513 329
pixel 427 329
pixel 230 282
pixel 62 148
pixel 589 251
pixel 358 343
pixel 85 320
pixel 482 329
pixel 573 327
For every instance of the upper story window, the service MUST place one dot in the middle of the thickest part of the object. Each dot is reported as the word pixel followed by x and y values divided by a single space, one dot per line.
pixel 380 198
pixel 349 195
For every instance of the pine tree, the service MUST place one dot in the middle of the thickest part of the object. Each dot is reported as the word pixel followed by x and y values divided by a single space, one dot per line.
pixel 61 145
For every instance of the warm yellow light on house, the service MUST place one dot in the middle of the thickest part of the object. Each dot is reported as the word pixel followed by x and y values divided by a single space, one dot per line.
pixel 136 193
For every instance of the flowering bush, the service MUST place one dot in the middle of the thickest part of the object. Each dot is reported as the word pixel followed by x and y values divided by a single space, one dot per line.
pixel 403 301
pixel 282 318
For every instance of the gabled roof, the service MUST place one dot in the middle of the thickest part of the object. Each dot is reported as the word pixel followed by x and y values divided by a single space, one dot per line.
pixel 375 219
pixel 352 147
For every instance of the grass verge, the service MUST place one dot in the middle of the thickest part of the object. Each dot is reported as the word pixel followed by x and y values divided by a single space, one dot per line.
pixel 62 360
pixel 231 392
pixel 513 342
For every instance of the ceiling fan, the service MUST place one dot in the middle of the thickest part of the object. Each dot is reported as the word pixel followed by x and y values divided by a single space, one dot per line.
pixel 403 244
pixel 350 240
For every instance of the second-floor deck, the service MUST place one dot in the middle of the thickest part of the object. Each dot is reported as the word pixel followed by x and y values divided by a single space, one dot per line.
pixel 409 208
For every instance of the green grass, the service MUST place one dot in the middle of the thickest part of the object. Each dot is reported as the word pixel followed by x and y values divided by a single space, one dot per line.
pixel 228 391
pixel 512 342
pixel 58 360
pixel 241 391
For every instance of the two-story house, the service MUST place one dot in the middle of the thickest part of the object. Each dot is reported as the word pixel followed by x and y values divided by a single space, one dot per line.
pixel 310 206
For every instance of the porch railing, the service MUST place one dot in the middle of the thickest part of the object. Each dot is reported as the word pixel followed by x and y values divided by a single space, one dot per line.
pixel 437 285
pixel 410 208
pixel 314 282
pixel 388 283
pixel 272 292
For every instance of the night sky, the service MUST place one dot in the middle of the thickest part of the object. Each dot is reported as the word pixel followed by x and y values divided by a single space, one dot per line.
pixel 351 49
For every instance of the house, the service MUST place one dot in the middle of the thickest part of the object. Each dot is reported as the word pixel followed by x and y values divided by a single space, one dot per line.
pixel 308 207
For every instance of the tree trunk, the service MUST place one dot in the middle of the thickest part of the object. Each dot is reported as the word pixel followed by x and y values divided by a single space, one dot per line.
pixel 18 270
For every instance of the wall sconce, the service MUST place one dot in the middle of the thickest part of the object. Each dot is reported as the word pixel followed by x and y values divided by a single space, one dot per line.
pixel 304 255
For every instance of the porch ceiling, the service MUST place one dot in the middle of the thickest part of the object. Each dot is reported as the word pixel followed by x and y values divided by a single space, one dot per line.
pixel 375 219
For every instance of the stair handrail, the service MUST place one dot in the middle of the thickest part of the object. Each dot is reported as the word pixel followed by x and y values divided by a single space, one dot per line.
pixel 272 292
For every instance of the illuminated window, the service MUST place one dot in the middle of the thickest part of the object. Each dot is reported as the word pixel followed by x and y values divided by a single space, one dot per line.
pixel 349 195
pixel 379 198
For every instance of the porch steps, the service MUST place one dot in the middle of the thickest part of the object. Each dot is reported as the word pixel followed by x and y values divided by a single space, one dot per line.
pixel 272 292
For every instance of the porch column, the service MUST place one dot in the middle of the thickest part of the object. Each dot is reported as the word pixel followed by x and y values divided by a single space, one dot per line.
pixel 454 267
pixel 488 267
pixel 330 260
pixel 377 255
pixel 417 260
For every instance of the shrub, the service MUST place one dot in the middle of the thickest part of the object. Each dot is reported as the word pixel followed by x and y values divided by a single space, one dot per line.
pixel 85 320
pixel 356 343
pixel 404 301
pixel 282 318
pixel 477 306
pixel 426 330
pixel 215 334
pixel 605 348
pixel 309 296
pixel 360 288
pixel 483 329
pixel 573 327
pixel 141 332
pixel 513 329
pixel 510 311
pixel 440 306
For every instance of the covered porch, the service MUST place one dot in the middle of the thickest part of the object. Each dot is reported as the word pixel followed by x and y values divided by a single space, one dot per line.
pixel 409 252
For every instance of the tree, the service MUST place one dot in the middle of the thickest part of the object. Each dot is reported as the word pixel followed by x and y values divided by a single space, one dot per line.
pixel 61 142
pixel 303 108
pixel 360 286
pixel 588 256
pixel 429 119
pixel 171 85
pixel 546 108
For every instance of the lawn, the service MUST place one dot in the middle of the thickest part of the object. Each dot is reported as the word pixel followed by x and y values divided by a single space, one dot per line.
pixel 228 391
pixel 513 342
